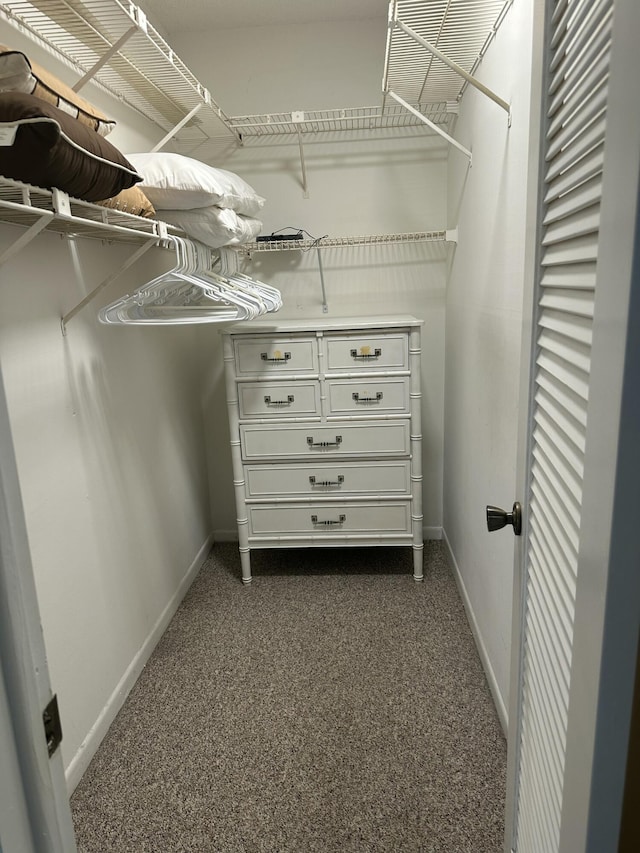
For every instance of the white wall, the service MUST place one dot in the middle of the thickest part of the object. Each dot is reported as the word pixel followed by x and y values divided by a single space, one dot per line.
pixel 108 434
pixel 483 334
pixel 374 183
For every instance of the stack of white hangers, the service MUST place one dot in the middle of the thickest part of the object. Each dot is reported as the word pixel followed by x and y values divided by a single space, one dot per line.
pixel 192 292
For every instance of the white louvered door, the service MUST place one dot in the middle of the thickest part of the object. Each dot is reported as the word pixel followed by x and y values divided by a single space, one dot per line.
pixel 574 89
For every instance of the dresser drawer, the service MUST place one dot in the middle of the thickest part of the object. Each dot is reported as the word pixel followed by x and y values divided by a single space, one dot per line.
pixel 278 399
pixel 367 352
pixel 338 439
pixel 325 520
pixel 262 356
pixel 374 395
pixel 322 479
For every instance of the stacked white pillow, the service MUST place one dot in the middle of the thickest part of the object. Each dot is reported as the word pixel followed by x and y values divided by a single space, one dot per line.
pixel 212 205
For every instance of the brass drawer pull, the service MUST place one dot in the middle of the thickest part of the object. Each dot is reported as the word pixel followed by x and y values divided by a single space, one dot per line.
pixel 360 399
pixel 337 482
pixel 278 357
pixel 287 402
pixel 313 443
pixel 329 521
pixel 364 354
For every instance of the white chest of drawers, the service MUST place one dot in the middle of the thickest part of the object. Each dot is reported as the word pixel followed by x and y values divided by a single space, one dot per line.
pixel 325 434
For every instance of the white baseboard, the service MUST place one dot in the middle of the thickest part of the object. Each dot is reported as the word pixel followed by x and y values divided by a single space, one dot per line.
pixel 90 744
pixel 498 701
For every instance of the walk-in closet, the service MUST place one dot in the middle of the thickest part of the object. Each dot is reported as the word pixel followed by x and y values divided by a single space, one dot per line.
pixel 318 425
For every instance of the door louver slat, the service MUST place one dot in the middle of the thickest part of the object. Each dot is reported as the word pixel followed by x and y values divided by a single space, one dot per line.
pixel 541 565
pixel 562 422
pixel 568 104
pixel 577 59
pixel 563 372
pixel 564 395
pixel 569 276
pixel 576 304
pixel 596 31
pixel 559 442
pixel 576 138
pixel 578 173
pixel 577 224
pixel 562 546
pixel 582 248
pixel 572 324
pixel 569 476
pixel 560 345
pixel 561 585
pixel 548 714
pixel 581 198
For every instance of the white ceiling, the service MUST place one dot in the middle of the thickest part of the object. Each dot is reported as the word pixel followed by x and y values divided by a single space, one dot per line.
pixel 175 16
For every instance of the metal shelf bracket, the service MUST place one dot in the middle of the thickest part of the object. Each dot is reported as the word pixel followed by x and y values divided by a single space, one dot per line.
pixel 26 237
pixel 140 251
pixel 431 124
pixel 325 306
pixel 297 118
pixel 91 73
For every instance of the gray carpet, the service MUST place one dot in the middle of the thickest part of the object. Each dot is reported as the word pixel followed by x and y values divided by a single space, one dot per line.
pixel 333 705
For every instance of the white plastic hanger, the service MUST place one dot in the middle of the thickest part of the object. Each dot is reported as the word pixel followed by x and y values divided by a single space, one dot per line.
pixel 192 293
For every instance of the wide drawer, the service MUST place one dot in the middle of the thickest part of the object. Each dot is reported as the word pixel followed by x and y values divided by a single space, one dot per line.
pixel 278 399
pixel 321 479
pixel 257 356
pixel 322 519
pixel 338 439
pixel 369 396
pixel 367 352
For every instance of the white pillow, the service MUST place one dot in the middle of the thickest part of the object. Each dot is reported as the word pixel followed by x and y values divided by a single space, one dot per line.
pixel 214 226
pixel 175 182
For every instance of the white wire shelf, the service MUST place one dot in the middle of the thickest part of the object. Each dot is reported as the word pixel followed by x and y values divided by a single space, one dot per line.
pixel 35 207
pixel 345 242
pixel 140 67
pixel 113 43
pixel 355 118
pixel 460 29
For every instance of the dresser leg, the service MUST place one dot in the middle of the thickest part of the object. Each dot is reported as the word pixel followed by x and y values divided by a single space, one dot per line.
pixel 418 551
pixel 245 562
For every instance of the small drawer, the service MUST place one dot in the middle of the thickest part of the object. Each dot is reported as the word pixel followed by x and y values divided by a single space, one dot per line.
pixel 367 352
pixel 369 396
pixel 278 399
pixel 339 439
pixel 275 355
pixel 330 519
pixel 322 480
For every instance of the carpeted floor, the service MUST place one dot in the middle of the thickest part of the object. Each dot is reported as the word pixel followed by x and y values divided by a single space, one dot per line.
pixel 333 705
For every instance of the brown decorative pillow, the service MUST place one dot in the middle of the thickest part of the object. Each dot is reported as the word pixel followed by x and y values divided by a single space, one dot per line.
pixel 41 145
pixel 19 74
pixel 132 201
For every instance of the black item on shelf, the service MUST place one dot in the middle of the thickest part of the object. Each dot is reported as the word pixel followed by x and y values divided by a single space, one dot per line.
pixel 268 238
